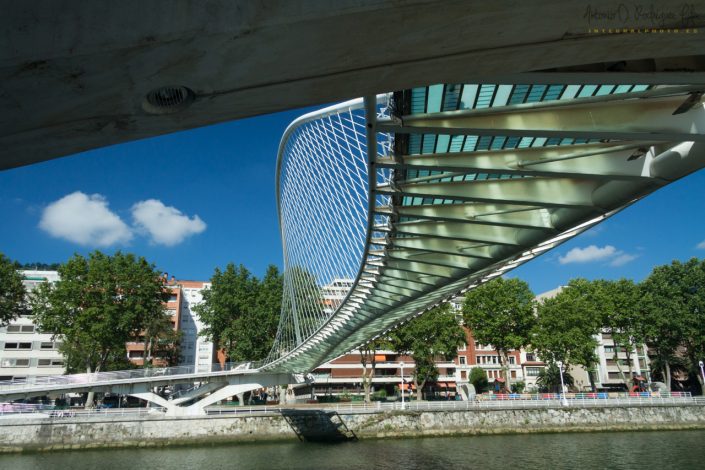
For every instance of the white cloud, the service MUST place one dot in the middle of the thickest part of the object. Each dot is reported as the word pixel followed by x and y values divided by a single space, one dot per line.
pixel 588 254
pixel 84 219
pixel 701 245
pixel 623 259
pixel 165 225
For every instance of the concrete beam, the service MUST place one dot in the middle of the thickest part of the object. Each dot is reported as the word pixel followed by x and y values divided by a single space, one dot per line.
pixel 75 76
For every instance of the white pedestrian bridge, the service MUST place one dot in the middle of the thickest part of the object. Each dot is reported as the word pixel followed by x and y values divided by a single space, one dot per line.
pixel 418 195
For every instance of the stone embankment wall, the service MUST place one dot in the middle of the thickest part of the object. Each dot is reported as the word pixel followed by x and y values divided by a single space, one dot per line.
pixel 26 434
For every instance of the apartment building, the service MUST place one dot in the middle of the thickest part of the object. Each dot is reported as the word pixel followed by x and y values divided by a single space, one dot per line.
pixel 196 350
pixel 136 349
pixel 26 352
pixel 344 374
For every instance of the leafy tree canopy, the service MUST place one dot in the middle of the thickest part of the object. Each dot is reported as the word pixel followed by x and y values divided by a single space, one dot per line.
pixel 478 377
pixel 673 305
pixel 435 333
pixel 99 304
pixel 549 379
pixel 500 313
pixel 241 312
pixel 37 266
pixel 566 325
pixel 12 291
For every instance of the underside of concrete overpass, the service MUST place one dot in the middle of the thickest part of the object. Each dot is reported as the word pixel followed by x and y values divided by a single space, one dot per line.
pixel 80 75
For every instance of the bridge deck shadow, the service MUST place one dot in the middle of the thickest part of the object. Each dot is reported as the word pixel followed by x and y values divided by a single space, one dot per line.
pixel 318 425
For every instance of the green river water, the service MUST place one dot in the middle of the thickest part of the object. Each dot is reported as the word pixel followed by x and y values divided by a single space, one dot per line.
pixel 618 450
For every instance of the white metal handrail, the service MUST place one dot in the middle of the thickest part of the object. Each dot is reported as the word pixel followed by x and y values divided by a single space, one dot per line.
pixel 106 377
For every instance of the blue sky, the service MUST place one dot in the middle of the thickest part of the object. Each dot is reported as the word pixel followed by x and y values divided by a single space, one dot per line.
pixel 198 199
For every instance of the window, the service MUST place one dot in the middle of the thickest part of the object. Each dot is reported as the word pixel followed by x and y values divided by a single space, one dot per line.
pixel 512 360
pixel 20 328
pixel 173 297
pixel 533 371
pixel 462 360
pixel 50 363
pixel 136 354
pixel 463 375
pixel 171 312
pixel 47 345
pixel 12 362
pixel 614 375
pixel 530 357
pixel 464 347
pixel 513 373
pixel 21 346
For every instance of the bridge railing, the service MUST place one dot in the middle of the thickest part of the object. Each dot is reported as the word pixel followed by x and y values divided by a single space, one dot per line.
pixel 39 411
pixel 112 376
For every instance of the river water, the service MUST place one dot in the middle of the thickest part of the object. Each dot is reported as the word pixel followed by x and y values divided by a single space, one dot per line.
pixel 613 450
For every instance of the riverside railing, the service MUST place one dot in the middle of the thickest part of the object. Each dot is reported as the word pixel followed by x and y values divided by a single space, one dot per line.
pixel 547 401
pixel 113 376
pixel 515 402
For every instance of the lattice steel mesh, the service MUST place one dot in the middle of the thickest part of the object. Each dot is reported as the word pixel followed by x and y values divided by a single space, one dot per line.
pixel 323 193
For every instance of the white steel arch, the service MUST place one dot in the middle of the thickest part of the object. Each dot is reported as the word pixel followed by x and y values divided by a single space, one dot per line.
pixel 392 204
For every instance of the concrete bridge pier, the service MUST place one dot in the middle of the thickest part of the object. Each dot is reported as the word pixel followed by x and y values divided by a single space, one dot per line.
pixel 210 393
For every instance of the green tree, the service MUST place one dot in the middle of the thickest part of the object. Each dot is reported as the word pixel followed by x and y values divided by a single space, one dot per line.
pixel 566 326
pixel 549 379
pixel 40 266
pixel 241 313
pixel 619 304
pixel 12 291
pixel 256 328
pixel 99 304
pixel 478 377
pixel 501 313
pixel 673 305
pixel 161 341
pixel 167 346
pixel 369 358
pixel 431 335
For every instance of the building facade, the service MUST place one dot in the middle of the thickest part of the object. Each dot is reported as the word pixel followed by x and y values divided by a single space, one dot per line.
pixel 136 349
pixel 196 350
pixel 343 375
pixel 25 351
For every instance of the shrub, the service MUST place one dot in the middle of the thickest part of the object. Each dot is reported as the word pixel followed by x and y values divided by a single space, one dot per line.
pixel 479 379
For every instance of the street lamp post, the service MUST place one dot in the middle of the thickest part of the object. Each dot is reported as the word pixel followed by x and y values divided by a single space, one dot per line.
pixel 564 401
pixel 402 385
pixel 702 371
